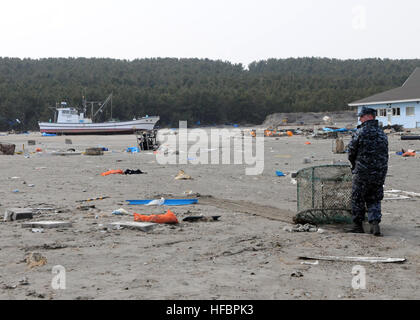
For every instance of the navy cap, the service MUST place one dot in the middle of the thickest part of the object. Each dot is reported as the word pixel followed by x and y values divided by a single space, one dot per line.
pixel 366 111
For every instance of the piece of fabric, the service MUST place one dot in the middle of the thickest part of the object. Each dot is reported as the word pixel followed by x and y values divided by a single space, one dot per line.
pixel 112 172
pixel 169 217
pixel 129 171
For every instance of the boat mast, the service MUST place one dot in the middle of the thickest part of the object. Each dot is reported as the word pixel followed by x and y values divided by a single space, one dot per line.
pixel 103 105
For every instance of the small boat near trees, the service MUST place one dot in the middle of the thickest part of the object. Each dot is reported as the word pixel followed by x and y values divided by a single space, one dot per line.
pixel 68 120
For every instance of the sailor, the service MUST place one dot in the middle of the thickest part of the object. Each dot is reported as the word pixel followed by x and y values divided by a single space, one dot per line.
pixel 368 155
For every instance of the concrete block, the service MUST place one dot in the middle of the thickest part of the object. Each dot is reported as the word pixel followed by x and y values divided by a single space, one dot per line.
pixel 68 141
pixel 47 224
pixel 31 142
pixel 14 214
pixel 142 226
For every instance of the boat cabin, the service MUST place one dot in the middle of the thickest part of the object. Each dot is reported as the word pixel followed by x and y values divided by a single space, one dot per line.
pixel 71 115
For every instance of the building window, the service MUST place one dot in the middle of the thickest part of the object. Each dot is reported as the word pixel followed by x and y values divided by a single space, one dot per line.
pixel 396 112
pixel 381 112
pixel 410 111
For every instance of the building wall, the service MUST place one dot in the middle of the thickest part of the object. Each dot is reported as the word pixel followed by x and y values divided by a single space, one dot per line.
pixel 409 122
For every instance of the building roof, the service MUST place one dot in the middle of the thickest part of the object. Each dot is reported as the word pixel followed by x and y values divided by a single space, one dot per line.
pixel 409 91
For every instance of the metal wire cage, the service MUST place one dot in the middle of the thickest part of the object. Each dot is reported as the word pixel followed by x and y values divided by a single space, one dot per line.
pixel 324 194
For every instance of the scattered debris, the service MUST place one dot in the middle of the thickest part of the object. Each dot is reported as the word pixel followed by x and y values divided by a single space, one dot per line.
pixel 400 195
pixel 142 226
pixel 133 150
pixel 201 218
pixel 315 263
pixel 163 201
pixel 138 171
pixel 157 202
pixel 409 154
pixel 94 152
pixel 280 173
pixel 7 149
pixel 410 138
pixel 307 160
pixel 297 274
pixel 60 153
pixel 47 224
pixel 355 259
pixel 24 281
pixel 37 230
pixel 301 228
pixel 107 173
pixel 94 199
pixel 182 176
pixel 86 208
pixel 35 259
pixel 169 218
pixel 339 146
pixel 33 293
pixel 18 214
pixel 120 212
pixel 394 128
pixel 147 139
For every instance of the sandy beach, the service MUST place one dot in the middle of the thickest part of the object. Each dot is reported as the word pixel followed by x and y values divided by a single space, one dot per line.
pixel 247 254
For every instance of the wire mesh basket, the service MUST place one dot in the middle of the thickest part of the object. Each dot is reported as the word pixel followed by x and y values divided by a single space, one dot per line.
pixel 324 195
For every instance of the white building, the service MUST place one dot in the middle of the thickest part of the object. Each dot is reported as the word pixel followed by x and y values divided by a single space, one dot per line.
pixel 399 106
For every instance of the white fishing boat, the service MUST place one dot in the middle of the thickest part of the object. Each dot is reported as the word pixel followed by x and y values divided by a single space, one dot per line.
pixel 69 120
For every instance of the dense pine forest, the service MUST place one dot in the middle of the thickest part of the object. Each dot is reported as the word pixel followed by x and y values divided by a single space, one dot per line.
pixel 197 90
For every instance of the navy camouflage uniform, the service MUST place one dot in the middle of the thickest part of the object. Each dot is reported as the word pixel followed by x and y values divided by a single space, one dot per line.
pixel 368 154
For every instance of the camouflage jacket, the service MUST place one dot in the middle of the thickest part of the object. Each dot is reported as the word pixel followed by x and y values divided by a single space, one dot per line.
pixel 368 152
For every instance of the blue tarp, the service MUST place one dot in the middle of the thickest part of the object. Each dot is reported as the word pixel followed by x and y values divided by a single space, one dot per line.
pixel 168 202
pixel 338 130
pixel 133 149
pixel 335 130
pixel 44 134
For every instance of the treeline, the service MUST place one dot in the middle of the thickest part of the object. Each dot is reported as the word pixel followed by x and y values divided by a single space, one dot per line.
pixel 197 90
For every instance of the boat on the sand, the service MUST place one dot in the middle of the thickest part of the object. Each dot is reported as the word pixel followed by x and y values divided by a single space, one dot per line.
pixel 70 121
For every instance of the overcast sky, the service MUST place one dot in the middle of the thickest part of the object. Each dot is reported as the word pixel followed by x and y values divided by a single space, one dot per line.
pixel 234 30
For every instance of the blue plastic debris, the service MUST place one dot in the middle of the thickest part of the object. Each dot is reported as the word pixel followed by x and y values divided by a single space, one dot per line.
pixel 168 202
pixel 133 149
pixel 44 134
pixel 335 130
pixel 280 174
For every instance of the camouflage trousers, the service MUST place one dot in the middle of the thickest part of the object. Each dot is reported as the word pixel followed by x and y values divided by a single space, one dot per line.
pixel 366 196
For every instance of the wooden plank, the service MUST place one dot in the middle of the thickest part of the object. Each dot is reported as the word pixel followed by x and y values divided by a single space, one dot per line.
pixel 355 259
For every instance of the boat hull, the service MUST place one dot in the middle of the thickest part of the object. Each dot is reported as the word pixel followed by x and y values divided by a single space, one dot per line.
pixel 104 127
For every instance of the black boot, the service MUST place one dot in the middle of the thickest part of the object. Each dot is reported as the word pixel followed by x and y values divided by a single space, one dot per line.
pixel 357 228
pixel 374 229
